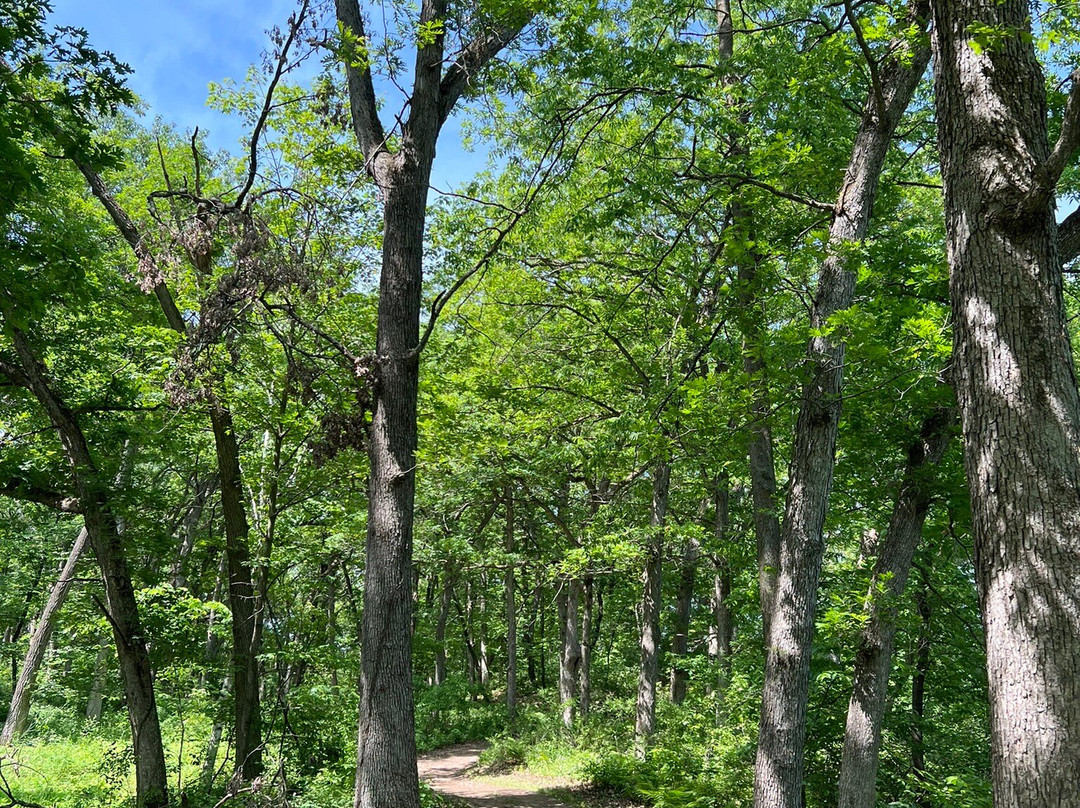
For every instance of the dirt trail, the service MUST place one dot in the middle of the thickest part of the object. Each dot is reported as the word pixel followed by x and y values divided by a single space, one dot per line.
pixel 449 771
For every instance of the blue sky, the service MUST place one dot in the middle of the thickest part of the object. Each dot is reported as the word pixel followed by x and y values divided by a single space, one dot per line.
pixel 178 47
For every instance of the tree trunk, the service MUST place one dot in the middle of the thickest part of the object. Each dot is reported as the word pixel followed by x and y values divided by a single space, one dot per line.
pixel 752 326
pixel 386 771
pixel 121 607
pixel 918 697
pixel 645 712
pixel 247 730
pixel 570 656
pixel 96 699
pixel 511 609
pixel 1016 387
pixel 778 773
pixel 440 627
pixel 723 624
pixel 873 659
pixel 587 645
pixel 39 641
pixel 684 603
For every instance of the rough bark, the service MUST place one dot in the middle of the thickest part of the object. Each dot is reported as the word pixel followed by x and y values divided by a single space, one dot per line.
pixel 873 657
pixel 386 753
pixel 39 642
pixel 1069 238
pixel 1016 387
pixel 778 774
pixel 649 644
pixel 121 607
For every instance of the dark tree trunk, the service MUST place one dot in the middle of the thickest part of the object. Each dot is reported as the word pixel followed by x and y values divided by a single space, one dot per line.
pixel 649 645
pixel 122 609
pixel 247 730
pixel 39 642
pixel 1016 387
pixel 778 775
pixel 684 604
pixel 918 696
pixel 873 658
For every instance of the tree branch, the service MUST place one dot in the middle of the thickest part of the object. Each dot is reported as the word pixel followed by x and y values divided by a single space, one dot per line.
pixel 472 58
pixel 1069 140
pixel 362 104
pixel 279 70
pixel 25 492
pixel 133 237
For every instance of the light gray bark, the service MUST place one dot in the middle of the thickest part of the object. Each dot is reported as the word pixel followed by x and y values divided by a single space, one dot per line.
pixel 570 648
pixel 778 772
pixel 873 658
pixel 95 701
pixel 1016 387
pixel 39 642
pixel 649 644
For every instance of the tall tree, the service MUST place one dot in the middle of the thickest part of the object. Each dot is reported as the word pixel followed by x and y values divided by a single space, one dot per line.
pixel 401 168
pixel 1016 385
pixel 779 770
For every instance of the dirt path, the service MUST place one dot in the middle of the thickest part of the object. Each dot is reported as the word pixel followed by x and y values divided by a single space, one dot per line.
pixel 449 771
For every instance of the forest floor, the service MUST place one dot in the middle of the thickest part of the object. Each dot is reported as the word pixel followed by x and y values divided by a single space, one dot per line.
pixel 453 771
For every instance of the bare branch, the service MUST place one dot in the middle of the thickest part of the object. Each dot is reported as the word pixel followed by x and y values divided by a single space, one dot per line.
pixel 295 22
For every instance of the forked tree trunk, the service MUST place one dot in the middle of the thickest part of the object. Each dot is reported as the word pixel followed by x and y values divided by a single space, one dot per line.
pixel 39 642
pixel 873 658
pixel 1016 386
pixel 649 645
pixel 386 751
pixel 778 772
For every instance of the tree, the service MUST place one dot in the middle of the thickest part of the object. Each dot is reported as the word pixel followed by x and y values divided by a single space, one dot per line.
pixel 1016 385
pixel 386 757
